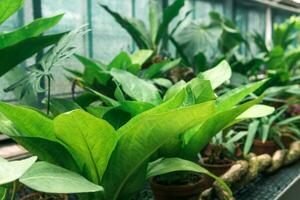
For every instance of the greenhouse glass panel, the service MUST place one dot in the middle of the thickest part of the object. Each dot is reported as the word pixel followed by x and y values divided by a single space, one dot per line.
pixel 12 23
pixel 108 37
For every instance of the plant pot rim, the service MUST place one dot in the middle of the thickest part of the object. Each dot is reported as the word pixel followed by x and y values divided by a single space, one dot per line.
pixel 158 186
pixel 258 142
pixel 207 165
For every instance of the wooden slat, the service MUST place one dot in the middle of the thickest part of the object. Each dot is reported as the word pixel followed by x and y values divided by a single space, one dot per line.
pixel 13 151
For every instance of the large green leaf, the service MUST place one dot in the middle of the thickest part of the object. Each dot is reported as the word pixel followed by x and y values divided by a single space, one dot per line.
pixel 133 27
pixel 28 122
pixel 153 18
pixel 137 88
pixel 8 8
pixel 33 139
pixel 33 29
pixel 23 50
pixel 91 140
pixel 168 165
pixel 140 57
pixel 49 178
pixel 168 15
pixel 198 137
pixel 234 96
pixel 144 136
pixel 218 75
pixel 93 71
pixel 11 171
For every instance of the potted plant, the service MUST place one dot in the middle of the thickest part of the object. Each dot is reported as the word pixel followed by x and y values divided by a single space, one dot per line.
pixel 117 160
pixel 221 153
pixel 270 133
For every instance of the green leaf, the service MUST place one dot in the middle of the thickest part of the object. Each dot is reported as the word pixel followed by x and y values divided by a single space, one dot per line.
pixel 196 139
pixel 28 122
pixel 93 71
pixel 257 111
pixel 153 19
pixel 168 15
pixel 121 61
pixel 3 192
pixel 33 139
pixel 116 117
pixel 140 57
pixel 8 8
pixel 107 100
pixel 289 120
pixel 45 177
pixel 136 88
pixel 135 107
pixel 98 111
pixel 160 68
pixel 24 50
pixel 11 171
pixel 252 130
pixel 233 97
pixel 144 135
pixel 90 140
pixel 135 29
pixel 167 165
pixel 33 29
pixel 175 89
pixel 59 106
pixel 218 75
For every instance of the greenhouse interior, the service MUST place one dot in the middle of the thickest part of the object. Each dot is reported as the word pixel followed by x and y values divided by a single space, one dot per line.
pixel 149 99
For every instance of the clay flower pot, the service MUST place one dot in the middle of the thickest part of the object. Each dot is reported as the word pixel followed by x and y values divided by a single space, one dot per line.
pixel 287 141
pixel 189 191
pixel 216 169
pixel 268 147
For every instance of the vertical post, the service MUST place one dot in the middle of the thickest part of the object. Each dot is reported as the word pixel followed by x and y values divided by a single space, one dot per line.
pixel 228 9
pixel 165 4
pixel 133 14
pixel 90 26
pixel 269 28
pixel 37 13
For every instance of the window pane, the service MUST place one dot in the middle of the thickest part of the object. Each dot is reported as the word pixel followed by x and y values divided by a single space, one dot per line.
pixel 109 38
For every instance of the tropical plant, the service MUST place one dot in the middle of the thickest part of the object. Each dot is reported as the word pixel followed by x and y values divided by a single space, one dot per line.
pixel 43 70
pixel 152 38
pixel 106 79
pixel 280 59
pixel 36 175
pixel 24 42
pixel 202 46
pixel 273 128
pixel 117 160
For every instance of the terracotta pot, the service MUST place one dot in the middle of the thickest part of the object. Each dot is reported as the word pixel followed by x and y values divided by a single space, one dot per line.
pixel 190 191
pixel 269 147
pixel 287 141
pixel 216 169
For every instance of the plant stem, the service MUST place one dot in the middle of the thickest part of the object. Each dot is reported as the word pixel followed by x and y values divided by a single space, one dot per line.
pixel 13 191
pixel 49 95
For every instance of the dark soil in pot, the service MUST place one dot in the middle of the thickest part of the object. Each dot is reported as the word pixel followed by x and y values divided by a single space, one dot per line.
pixel 39 196
pixel 187 190
pixel 268 147
pixel 218 168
